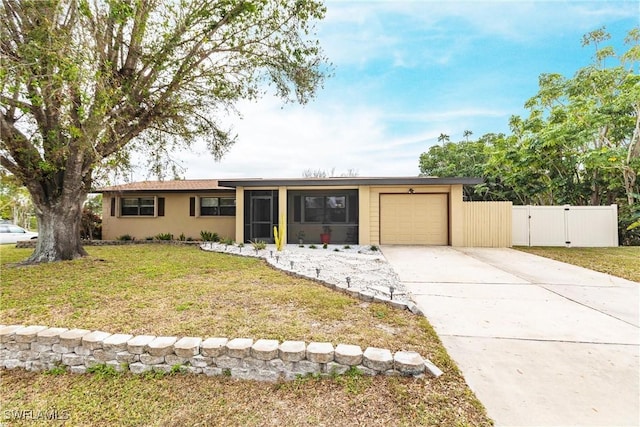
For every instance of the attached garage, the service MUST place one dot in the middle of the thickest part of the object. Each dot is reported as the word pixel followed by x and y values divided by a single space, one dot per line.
pixel 414 219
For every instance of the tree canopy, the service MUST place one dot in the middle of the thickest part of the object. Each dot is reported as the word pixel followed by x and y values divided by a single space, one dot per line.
pixel 580 143
pixel 84 81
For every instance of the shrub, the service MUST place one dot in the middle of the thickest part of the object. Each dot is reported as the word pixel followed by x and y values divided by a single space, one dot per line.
pixel 164 236
pixel 259 245
pixel 90 225
pixel 209 236
pixel 125 238
pixel 103 371
pixel 57 369
pixel 182 237
pixel 628 234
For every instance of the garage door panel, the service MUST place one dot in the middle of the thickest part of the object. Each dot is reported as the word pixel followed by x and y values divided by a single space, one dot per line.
pixel 414 219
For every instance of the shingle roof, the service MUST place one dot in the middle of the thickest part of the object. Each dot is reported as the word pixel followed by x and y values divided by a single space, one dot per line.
pixel 179 185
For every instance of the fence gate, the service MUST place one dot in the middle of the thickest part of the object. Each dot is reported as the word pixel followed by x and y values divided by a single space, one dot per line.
pixel 581 226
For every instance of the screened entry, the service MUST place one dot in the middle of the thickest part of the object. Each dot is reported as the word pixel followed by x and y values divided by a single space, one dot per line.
pixel 322 216
pixel 260 215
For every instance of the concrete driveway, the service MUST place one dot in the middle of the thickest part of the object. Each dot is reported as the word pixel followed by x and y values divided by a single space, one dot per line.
pixel 540 342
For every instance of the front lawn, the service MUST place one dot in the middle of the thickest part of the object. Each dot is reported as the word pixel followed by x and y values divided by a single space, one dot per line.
pixel 173 290
pixel 623 261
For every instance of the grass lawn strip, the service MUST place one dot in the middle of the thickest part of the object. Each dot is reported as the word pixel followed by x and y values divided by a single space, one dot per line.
pixel 167 290
pixel 621 261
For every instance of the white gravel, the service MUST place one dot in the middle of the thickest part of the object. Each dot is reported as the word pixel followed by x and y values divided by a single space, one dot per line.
pixel 355 269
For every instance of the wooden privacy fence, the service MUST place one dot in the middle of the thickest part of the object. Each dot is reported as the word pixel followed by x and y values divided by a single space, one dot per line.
pixel 487 224
pixel 581 226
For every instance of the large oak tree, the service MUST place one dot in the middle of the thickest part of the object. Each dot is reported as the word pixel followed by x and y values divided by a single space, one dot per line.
pixel 81 81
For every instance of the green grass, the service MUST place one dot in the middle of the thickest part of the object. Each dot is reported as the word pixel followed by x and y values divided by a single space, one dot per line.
pixel 622 261
pixel 182 291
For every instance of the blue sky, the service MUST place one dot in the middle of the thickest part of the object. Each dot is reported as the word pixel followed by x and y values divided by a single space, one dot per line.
pixel 407 71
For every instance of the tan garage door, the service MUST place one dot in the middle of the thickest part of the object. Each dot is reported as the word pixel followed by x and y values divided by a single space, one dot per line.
pixel 414 219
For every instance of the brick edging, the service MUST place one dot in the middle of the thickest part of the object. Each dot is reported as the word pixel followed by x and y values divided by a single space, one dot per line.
pixel 39 348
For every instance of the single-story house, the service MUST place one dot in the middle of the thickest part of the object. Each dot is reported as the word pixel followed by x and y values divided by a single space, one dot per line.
pixel 345 210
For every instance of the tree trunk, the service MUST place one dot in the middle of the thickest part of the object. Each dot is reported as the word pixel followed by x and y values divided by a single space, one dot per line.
pixel 59 225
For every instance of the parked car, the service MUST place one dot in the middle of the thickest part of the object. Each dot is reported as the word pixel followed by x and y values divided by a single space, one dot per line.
pixel 10 233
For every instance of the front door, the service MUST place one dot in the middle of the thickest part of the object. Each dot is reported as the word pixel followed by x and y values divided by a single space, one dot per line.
pixel 261 219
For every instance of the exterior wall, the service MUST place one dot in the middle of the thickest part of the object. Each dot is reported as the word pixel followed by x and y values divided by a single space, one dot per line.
pixel 176 219
pixel 456 216
pixel 239 220
pixel 487 224
pixel 580 226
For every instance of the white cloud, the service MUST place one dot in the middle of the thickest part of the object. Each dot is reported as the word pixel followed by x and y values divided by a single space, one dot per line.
pixel 275 142
pixel 357 32
pixel 377 122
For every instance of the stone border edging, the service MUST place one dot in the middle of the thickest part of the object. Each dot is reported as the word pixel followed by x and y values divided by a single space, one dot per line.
pixel 38 348
pixel 362 294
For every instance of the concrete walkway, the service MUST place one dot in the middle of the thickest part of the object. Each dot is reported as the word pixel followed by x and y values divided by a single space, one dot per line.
pixel 540 342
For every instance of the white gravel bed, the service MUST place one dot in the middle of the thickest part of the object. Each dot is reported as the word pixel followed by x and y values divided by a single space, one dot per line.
pixel 354 269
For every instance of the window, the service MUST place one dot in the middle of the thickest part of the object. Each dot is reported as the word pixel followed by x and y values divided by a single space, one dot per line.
pixel 137 206
pixel 336 208
pixel 227 206
pixel 209 206
pixel 313 209
pixel 324 209
pixel 217 206
pixel 15 229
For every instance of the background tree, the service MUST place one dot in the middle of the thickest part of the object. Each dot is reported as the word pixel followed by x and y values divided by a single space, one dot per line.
pixel 15 202
pixel 444 138
pixel 586 129
pixel 580 143
pixel 321 173
pixel 83 82
pixel 466 158
pixel 91 222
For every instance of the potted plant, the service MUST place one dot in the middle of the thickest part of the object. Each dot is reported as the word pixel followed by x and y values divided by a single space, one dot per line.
pixel 325 237
pixel 301 237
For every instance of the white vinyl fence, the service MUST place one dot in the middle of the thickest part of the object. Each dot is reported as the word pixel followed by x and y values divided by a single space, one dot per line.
pixel 581 226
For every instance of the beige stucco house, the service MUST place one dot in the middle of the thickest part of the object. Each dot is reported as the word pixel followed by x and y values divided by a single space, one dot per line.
pixel 366 211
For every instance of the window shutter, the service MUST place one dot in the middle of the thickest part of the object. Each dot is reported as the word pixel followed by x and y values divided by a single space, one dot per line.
pixel 160 206
pixel 192 206
pixel 113 206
